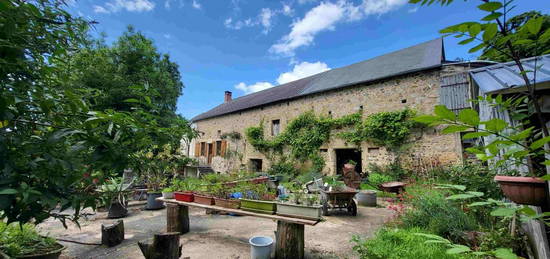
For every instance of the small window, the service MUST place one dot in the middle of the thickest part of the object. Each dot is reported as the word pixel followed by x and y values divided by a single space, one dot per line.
pixel 324 150
pixel 329 112
pixel 256 165
pixel 218 148
pixel 275 127
pixel 219 132
pixel 404 101
pixel 360 107
pixel 203 148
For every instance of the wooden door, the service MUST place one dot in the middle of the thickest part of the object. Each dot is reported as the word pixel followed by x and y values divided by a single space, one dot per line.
pixel 210 152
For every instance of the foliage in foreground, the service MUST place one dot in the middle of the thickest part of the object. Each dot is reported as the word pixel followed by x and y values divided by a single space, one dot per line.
pixel 17 240
pixel 432 212
pixel 400 244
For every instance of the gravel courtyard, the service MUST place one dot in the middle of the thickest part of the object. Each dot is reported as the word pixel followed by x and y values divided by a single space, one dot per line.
pixel 215 236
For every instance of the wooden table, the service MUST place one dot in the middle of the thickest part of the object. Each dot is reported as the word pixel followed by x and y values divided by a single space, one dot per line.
pixel 289 240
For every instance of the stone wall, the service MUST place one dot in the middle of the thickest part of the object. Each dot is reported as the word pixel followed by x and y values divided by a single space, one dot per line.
pixel 418 91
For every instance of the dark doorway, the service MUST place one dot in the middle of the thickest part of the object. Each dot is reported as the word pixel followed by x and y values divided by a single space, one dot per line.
pixel 344 155
pixel 256 165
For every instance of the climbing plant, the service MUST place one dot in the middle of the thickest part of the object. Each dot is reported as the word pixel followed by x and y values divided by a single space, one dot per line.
pixel 388 129
pixel 306 133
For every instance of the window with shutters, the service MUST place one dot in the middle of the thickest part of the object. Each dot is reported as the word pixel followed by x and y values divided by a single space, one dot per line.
pixel 275 127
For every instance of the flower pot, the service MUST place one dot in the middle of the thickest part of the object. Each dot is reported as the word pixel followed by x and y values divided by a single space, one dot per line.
pixel 266 207
pixel 523 190
pixel 366 198
pixel 168 195
pixel 53 254
pixel 299 211
pixel 349 167
pixel 204 199
pixel 184 196
pixel 152 202
pixel 117 210
pixel 227 203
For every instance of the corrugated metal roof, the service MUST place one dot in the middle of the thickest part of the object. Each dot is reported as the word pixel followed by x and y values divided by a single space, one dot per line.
pixel 506 76
pixel 423 56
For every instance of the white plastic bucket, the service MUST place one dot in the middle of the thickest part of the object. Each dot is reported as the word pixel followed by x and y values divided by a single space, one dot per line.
pixel 260 247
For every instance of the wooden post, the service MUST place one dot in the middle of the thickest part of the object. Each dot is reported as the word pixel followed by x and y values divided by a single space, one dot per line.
pixel 177 218
pixel 164 246
pixel 112 235
pixel 289 240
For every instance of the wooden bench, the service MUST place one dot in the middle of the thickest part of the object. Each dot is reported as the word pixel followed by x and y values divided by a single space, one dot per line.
pixel 289 240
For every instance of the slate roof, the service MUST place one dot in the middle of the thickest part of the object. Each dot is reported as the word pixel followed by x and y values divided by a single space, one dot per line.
pixel 505 76
pixel 427 55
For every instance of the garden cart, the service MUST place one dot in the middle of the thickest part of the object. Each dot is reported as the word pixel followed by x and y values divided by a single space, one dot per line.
pixel 339 199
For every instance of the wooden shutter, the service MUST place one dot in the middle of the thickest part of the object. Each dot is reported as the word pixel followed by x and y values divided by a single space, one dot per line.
pixel 197 149
pixel 224 148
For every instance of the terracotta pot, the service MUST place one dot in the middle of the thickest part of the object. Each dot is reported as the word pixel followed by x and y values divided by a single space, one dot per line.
pixel 227 203
pixel 257 180
pixel 204 199
pixel 349 167
pixel 523 190
pixel 184 196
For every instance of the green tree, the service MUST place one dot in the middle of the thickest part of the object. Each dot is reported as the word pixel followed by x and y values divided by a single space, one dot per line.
pixel 52 142
pixel 531 48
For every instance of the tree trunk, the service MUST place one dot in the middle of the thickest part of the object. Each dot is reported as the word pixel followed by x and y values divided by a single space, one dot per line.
pixel 164 246
pixel 177 218
pixel 112 235
pixel 289 240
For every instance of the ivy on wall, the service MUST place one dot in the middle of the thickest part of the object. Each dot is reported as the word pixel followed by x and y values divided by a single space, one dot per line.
pixel 305 134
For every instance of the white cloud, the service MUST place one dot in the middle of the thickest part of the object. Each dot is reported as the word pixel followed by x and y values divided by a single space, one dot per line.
pixel 127 5
pixel 413 10
pixel 320 18
pixel 287 10
pixel 306 1
pixel 299 71
pixel 302 70
pixel 196 4
pixel 167 36
pixel 247 89
pixel 326 16
pixel 265 19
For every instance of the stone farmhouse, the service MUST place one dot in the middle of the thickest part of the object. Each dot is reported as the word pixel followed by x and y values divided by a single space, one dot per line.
pixel 418 77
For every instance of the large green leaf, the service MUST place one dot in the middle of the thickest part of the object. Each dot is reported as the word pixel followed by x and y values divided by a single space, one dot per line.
pixel 534 25
pixel 495 125
pixel 454 128
pixel 478 134
pixel 458 249
pixel 443 112
pixel 539 143
pixel 490 6
pixel 505 253
pixel 469 116
pixel 503 212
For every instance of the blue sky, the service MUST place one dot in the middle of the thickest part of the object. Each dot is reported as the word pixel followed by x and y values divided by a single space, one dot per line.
pixel 248 45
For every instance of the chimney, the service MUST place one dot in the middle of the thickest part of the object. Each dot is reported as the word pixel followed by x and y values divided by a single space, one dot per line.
pixel 227 97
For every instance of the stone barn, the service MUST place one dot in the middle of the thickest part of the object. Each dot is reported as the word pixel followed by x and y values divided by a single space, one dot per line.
pixel 418 77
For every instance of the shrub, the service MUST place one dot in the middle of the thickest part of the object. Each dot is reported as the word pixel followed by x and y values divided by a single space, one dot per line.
pixel 17 240
pixel 476 178
pixel 399 244
pixel 377 179
pixel 431 211
pixel 393 170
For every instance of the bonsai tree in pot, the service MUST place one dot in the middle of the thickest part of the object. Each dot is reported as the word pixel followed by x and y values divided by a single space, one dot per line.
pixel 23 241
pixel 113 196
pixel 155 166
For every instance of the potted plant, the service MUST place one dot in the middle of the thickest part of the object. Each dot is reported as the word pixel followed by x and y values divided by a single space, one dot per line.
pixel 523 189
pixel 349 165
pixel 185 189
pixel 334 184
pixel 258 198
pixel 301 205
pixel 168 193
pixel 113 196
pixel 222 196
pixel 155 165
pixel 23 241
